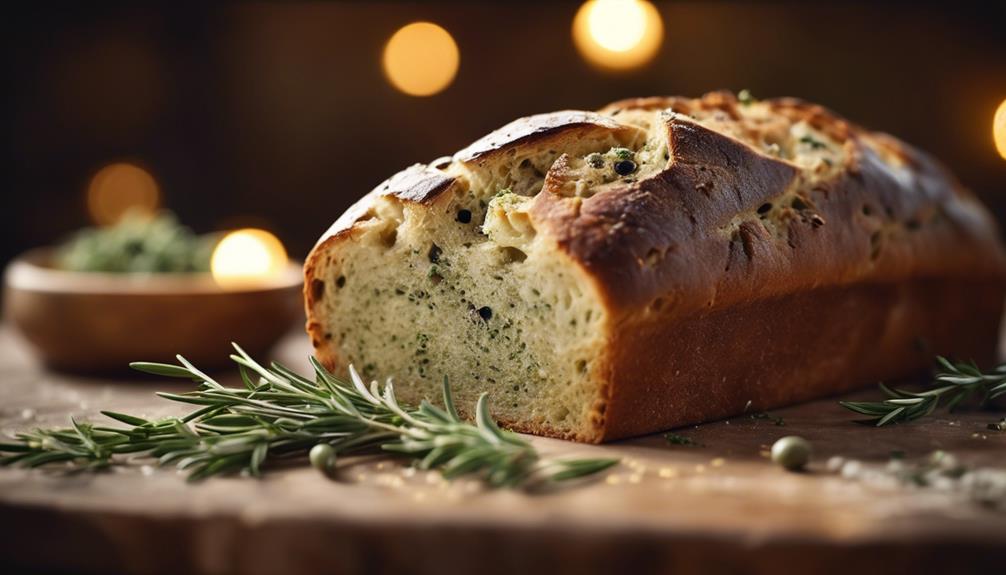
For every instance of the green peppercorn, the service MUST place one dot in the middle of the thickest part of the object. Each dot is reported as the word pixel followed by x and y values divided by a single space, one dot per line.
pixel 322 458
pixel 791 452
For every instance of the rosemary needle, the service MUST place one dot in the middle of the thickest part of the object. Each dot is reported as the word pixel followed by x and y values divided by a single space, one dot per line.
pixel 956 382
pixel 280 414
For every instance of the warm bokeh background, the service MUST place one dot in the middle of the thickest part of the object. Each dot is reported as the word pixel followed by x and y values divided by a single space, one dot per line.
pixel 278 114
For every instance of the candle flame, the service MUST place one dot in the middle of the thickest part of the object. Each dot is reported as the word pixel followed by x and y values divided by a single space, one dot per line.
pixel 247 255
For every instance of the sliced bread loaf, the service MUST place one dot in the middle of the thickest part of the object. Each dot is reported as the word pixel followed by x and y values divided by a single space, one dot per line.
pixel 661 262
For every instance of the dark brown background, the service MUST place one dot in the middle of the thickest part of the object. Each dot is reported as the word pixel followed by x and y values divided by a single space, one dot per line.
pixel 278 114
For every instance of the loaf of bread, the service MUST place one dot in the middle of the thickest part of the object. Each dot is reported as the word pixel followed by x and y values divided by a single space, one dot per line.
pixel 661 262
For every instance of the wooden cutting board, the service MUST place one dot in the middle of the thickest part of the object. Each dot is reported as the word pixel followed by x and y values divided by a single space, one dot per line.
pixel 717 508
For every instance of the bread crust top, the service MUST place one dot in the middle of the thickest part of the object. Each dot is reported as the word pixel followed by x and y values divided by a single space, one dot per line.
pixel 736 211
pixel 535 130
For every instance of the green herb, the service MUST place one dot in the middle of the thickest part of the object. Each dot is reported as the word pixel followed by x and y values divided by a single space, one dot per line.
pixel 434 274
pixel 775 419
pixel 506 199
pixel 137 243
pixel 622 153
pixel 960 381
pixel 764 414
pixel 675 439
pixel 745 97
pixel 595 160
pixel 812 142
pixel 279 414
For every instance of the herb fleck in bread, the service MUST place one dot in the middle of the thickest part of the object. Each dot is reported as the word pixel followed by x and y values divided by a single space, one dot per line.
pixel 658 263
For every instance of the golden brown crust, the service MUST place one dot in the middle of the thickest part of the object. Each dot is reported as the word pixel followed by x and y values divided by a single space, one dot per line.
pixel 538 129
pixel 669 236
pixel 732 274
pixel 418 184
pixel 783 350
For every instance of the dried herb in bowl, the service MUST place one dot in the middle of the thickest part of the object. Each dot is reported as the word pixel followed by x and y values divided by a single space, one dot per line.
pixel 137 243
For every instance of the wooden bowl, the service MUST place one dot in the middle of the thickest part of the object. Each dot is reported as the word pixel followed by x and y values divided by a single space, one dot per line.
pixel 84 321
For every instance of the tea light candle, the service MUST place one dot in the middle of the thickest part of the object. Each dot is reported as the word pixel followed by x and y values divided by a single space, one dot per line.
pixel 247 256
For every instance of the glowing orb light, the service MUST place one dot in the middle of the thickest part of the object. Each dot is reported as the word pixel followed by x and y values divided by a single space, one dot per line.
pixel 999 129
pixel 421 59
pixel 120 188
pixel 618 34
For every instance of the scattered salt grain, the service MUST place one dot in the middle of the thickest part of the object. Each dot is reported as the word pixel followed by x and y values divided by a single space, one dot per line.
pixel 851 469
pixel 941 471
pixel 835 463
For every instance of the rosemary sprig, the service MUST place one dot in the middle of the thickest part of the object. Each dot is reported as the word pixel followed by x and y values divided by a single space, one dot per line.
pixel 959 380
pixel 279 414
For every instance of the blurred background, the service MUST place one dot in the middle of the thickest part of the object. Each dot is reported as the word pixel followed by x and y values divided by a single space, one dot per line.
pixel 280 115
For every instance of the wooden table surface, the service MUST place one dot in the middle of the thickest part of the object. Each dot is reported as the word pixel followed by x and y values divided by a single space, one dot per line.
pixel 719 507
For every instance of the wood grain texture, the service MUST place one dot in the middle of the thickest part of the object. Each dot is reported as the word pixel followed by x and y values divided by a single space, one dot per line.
pixel 741 515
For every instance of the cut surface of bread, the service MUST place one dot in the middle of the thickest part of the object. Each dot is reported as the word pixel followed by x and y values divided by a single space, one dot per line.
pixel 661 262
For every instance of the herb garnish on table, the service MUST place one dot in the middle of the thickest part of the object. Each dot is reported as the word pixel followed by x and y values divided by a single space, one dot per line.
pixel 280 414
pixel 956 382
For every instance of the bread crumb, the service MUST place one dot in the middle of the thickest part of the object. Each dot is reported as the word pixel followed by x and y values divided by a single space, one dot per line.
pixel 668 472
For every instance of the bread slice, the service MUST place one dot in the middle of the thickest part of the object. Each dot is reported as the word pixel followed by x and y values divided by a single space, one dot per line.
pixel 662 262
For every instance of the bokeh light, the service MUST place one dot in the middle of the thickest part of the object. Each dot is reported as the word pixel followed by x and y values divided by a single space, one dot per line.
pixel 246 256
pixel 999 129
pixel 120 188
pixel 618 34
pixel 421 59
